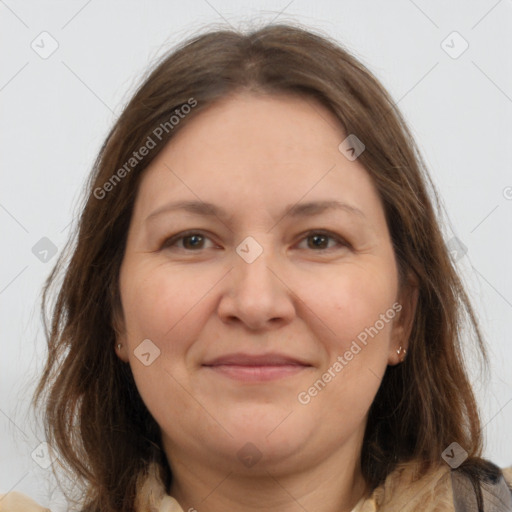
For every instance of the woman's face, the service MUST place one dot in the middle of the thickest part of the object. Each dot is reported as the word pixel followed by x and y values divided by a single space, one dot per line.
pixel 259 288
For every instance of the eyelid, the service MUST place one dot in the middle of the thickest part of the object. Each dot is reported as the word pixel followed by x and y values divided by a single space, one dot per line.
pixel 329 234
pixel 171 241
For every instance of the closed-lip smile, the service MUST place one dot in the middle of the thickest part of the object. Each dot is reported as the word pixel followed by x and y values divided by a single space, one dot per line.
pixel 256 367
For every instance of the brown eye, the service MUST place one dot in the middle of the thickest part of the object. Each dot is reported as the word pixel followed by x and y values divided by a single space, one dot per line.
pixel 191 241
pixel 319 241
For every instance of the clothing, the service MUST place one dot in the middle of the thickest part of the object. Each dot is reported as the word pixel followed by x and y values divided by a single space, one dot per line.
pixel 441 490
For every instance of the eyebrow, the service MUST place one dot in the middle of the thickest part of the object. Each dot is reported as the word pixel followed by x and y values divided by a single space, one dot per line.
pixel 294 210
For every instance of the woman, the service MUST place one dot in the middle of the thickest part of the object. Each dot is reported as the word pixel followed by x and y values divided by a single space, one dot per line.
pixel 260 311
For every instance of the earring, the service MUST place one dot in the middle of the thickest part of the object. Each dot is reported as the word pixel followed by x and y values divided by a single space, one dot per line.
pixel 401 351
pixel 119 346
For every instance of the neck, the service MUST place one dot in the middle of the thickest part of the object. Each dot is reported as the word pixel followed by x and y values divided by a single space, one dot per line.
pixel 327 487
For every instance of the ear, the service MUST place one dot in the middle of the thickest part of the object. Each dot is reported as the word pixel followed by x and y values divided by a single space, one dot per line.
pixel 403 322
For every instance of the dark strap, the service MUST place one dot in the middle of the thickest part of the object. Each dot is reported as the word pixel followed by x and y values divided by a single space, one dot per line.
pixel 492 495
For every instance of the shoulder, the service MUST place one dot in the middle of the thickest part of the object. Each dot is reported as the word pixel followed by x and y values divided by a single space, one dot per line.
pixel 484 487
pixel 469 488
pixel 17 502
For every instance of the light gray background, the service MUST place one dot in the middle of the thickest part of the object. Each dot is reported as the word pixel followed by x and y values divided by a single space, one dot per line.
pixel 56 112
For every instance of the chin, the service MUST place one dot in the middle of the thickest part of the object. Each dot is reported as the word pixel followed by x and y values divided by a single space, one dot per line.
pixel 256 452
pixel 276 435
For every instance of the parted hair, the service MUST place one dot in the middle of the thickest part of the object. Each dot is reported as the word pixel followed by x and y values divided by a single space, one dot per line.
pixel 92 412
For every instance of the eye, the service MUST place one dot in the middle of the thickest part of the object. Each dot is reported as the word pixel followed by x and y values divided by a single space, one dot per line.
pixel 191 241
pixel 195 241
pixel 320 240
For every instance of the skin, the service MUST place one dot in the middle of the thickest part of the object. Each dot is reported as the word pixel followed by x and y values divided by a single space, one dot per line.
pixel 198 299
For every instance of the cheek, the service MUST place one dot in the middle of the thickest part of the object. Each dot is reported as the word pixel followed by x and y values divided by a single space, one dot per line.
pixel 352 299
pixel 358 310
pixel 159 303
pixel 162 305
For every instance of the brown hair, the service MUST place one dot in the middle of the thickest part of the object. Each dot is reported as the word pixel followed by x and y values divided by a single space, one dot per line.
pixel 94 414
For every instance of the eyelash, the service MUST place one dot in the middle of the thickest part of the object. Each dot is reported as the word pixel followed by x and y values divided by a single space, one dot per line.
pixel 171 241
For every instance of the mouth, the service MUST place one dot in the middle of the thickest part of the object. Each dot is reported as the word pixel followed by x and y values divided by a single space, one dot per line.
pixel 256 368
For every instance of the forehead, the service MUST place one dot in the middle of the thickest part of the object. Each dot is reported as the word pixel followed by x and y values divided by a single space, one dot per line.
pixel 249 149
pixel 244 124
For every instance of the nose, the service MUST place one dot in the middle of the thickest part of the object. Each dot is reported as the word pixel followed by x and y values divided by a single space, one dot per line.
pixel 256 294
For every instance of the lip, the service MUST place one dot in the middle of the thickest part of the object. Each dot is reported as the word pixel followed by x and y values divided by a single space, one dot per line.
pixel 245 359
pixel 256 367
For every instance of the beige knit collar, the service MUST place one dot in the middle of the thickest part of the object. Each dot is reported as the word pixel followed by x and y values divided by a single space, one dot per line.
pixel 402 490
